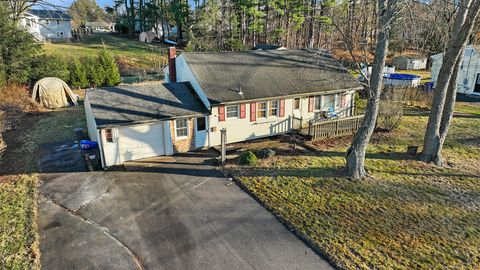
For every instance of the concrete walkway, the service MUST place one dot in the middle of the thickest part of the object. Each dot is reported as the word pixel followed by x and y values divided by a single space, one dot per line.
pixel 169 215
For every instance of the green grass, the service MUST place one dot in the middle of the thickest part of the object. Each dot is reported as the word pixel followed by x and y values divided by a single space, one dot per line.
pixel 406 215
pixel 18 228
pixel 59 125
pixel 133 53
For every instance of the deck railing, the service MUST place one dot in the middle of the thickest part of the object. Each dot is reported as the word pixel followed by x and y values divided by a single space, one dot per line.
pixel 335 127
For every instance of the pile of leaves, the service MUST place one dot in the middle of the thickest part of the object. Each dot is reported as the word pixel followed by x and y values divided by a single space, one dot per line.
pixel 15 101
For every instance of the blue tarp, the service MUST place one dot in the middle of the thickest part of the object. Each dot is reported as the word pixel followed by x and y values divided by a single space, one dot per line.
pixel 399 76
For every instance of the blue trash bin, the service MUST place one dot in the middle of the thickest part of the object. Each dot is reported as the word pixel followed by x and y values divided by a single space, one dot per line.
pixel 87 144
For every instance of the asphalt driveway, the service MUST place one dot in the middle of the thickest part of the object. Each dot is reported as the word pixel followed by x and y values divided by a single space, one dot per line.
pixel 162 214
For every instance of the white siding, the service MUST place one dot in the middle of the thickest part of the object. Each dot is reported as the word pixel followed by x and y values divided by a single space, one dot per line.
pixel 467 75
pixel 111 150
pixel 242 129
pixel 91 124
pixel 184 74
pixel 53 29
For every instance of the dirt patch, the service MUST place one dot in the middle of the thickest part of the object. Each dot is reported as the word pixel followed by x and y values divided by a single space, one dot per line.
pixel 21 152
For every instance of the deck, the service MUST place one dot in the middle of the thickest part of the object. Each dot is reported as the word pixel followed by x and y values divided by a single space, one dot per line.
pixel 333 128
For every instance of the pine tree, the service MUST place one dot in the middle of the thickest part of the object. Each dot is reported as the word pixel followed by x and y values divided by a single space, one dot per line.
pixel 110 68
pixel 78 74
pixel 95 71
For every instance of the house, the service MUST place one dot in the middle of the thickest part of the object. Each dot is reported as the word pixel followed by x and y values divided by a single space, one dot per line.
pixel 100 26
pixel 251 95
pixel 47 25
pixel 409 62
pixel 468 80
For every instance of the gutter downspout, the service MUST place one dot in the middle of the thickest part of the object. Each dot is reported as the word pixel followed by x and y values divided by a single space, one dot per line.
pixel 100 146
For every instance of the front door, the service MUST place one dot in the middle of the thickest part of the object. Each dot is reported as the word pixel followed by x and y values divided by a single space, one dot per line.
pixel 201 130
pixel 296 107
pixel 477 84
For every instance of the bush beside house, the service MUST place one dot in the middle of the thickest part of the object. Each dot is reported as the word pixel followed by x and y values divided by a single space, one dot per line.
pixel 248 158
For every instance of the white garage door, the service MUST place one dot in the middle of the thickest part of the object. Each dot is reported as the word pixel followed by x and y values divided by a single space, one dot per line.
pixel 137 142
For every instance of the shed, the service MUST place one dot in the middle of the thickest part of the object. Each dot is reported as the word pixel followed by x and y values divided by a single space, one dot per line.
pixel 409 62
pixel 147 37
pixel 53 93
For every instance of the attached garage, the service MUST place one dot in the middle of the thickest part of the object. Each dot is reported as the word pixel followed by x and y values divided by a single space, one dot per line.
pixel 141 141
pixel 134 122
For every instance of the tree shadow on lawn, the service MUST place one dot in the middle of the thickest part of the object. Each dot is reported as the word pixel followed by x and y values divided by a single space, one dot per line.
pixel 338 170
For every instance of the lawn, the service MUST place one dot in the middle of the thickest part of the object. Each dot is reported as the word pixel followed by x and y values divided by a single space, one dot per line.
pixel 18 229
pixel 18 182
pixel 405 215
pixel 133 54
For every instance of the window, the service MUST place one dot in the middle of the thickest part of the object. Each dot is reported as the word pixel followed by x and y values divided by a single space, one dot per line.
pixel 338 100
pixel 318 103
pixel 201 124
pixel 181 128
pixel 296 104
pixel 58 21
pixel 273 108
pixel 328 102
pixel 232 111
pixel 262 110
pixel 108 135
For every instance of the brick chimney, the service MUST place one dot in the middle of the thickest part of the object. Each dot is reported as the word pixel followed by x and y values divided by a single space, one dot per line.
pixel 172 69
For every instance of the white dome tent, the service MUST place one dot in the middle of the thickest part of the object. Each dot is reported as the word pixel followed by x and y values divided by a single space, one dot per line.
pixel 53 93
pixel 146 37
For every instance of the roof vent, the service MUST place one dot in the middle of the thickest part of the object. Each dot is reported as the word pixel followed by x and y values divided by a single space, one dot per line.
pixel 240 90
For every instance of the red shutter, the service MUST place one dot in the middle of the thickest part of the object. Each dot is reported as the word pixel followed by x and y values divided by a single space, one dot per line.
pixel 221 113
pixel 243 112
pixel 253 112
pixel 282 107
pixel 310 104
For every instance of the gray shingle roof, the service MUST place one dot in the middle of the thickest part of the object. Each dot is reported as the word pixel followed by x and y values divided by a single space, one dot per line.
pixel 49 14
pixel 129 104
pixel 267 73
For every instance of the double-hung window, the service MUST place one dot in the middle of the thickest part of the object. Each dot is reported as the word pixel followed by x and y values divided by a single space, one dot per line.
pixel 181 128
pixel 318 103
pixel 328 102
pixel 108 135
pixel 262 110
pixel 267 109
pixel 338 100
pixel 273 108
pixel 232 111
pixel 296 104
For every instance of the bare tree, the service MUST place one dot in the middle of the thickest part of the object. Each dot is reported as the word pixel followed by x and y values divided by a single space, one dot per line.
pixel 355 157
pixel 445 90
pixel 18 7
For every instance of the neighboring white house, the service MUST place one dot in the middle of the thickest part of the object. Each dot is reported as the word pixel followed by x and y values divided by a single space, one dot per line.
pixel 468 81
pixel 407 62
pixel 100 26
pixel 47 25
pixel 251 94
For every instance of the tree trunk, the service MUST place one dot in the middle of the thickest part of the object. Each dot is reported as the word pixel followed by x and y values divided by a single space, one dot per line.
pixel 463 26
pixel 311 28
pixel 449 107
pixel 132 19
pixel 355 158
